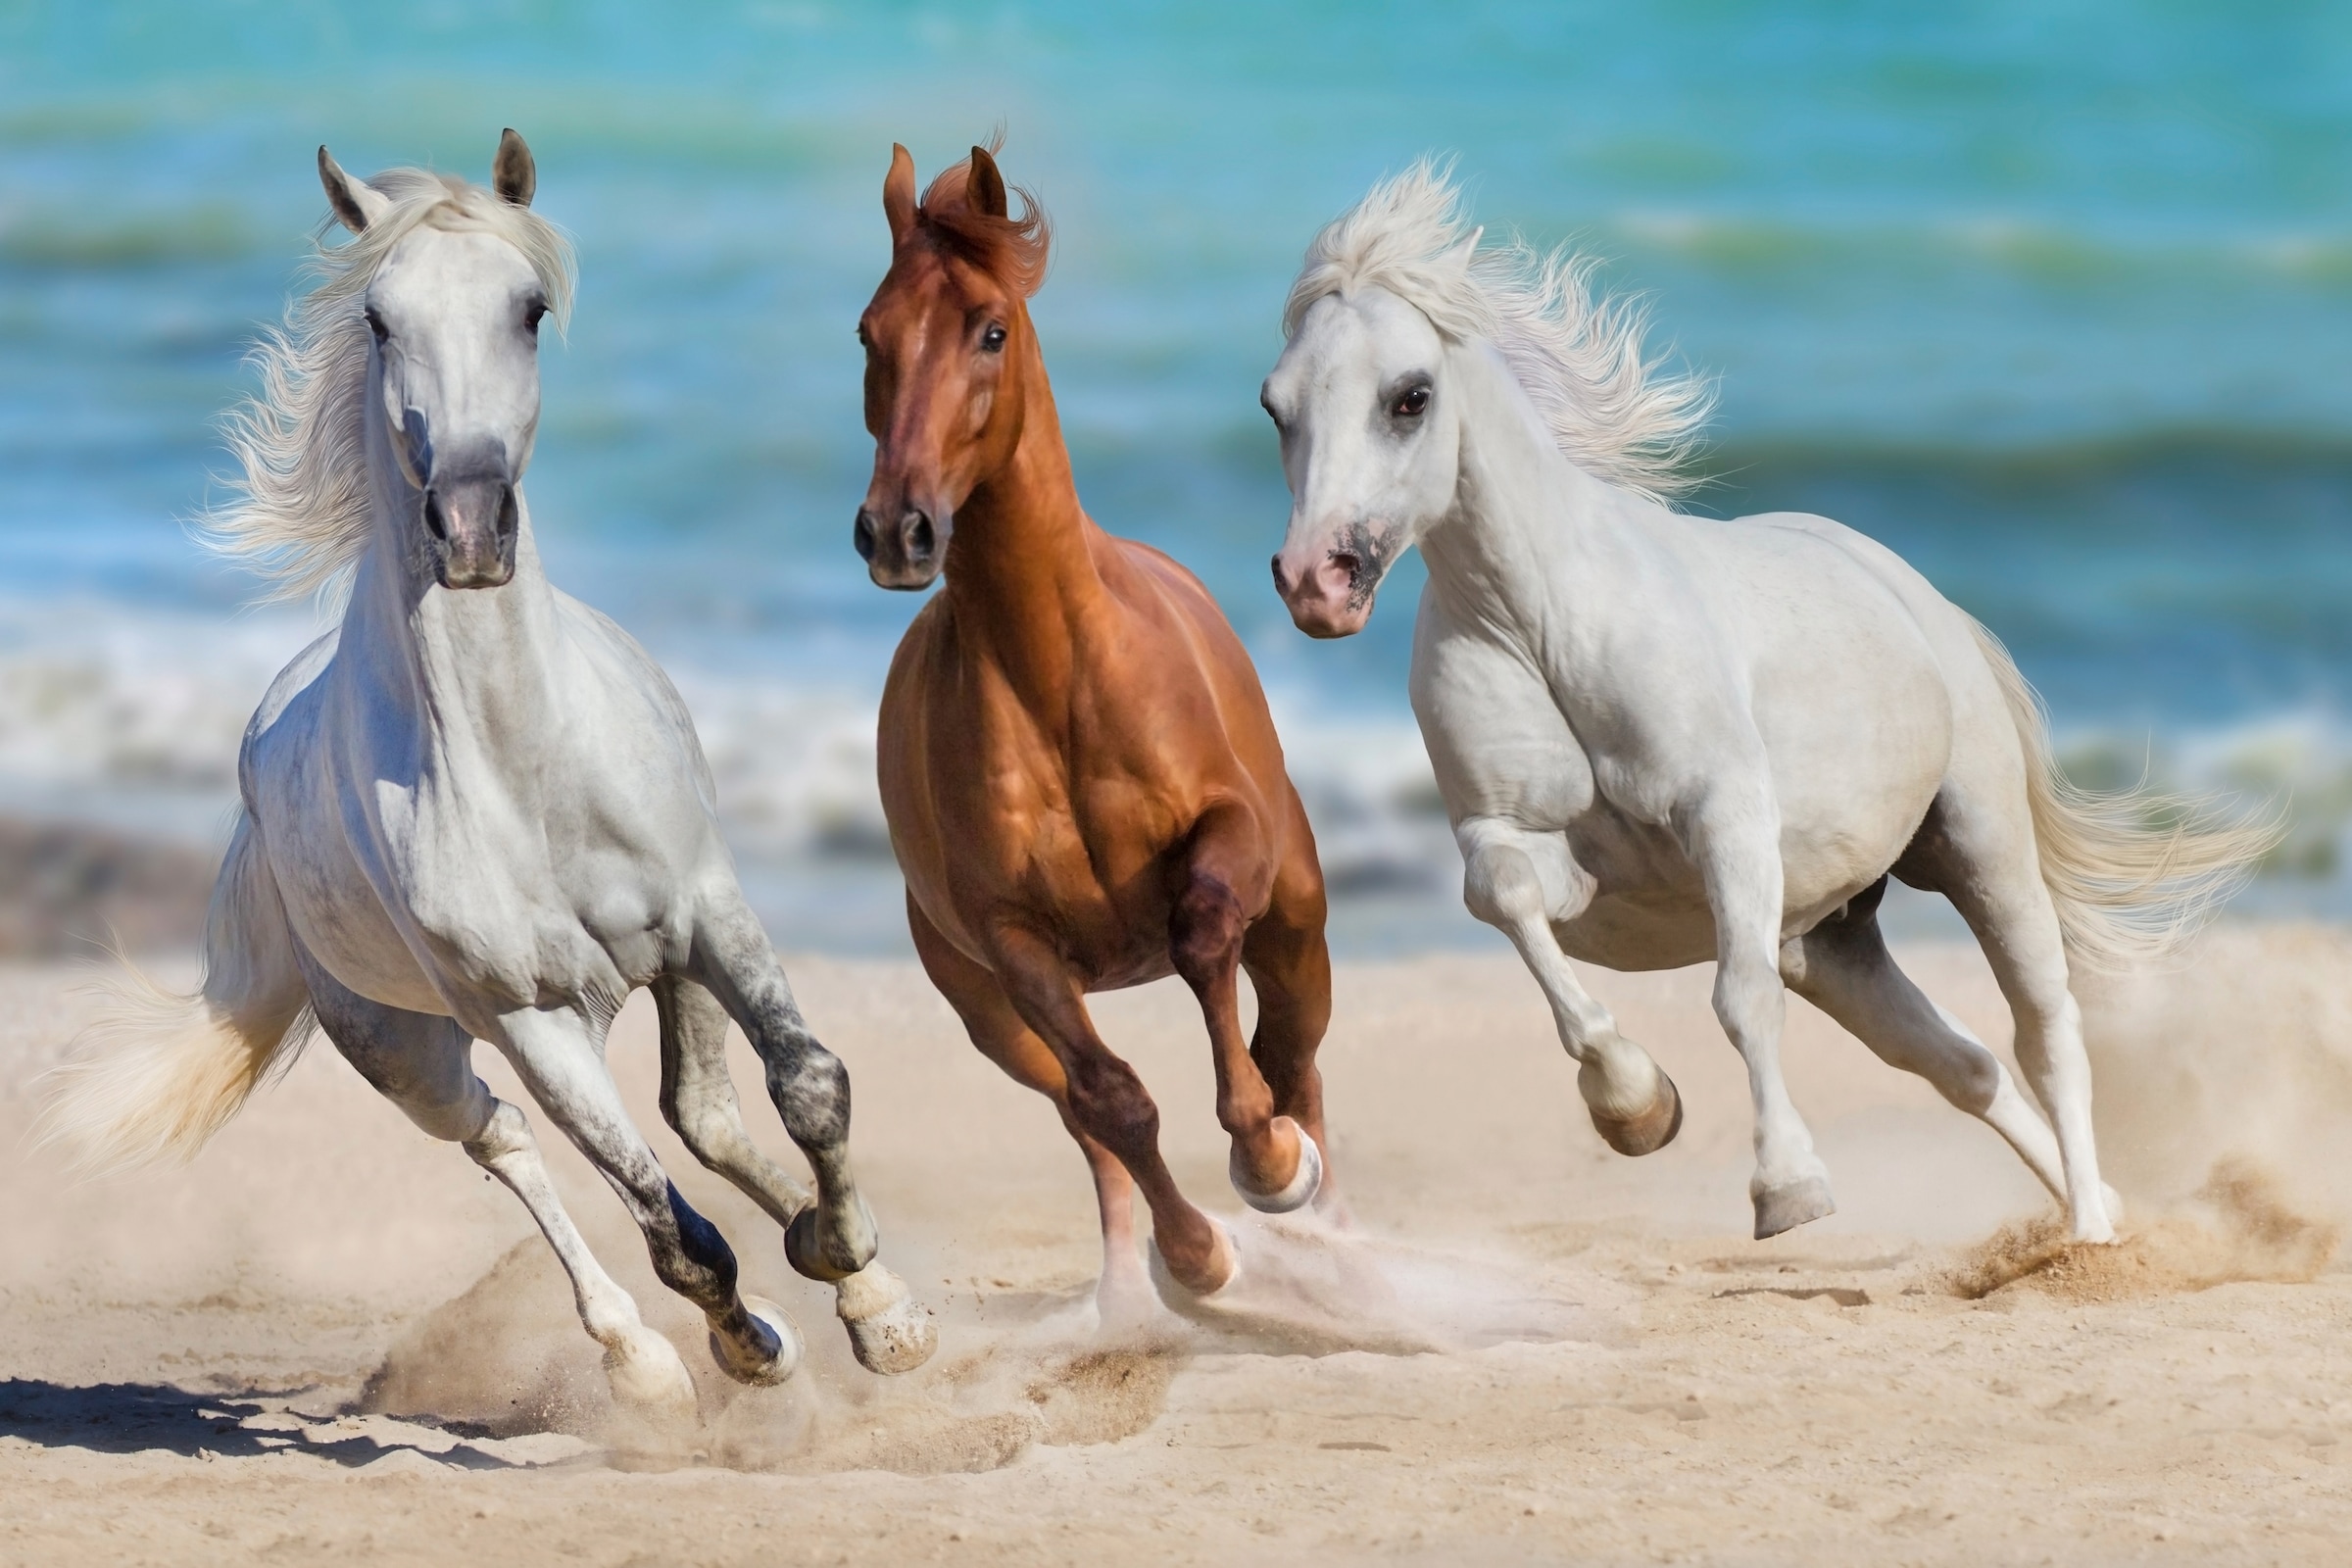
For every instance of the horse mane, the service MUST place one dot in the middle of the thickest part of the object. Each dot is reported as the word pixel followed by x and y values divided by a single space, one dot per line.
pixel 1621 417
pixel 299 514
pixel 1013 250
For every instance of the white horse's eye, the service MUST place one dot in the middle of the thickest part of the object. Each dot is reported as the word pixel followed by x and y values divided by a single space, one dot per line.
pixel 532 314
pixel 376 324
pixel 1410 403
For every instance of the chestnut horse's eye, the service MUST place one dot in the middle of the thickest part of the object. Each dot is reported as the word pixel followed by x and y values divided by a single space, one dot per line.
pixel 1410 404
pixel 991 341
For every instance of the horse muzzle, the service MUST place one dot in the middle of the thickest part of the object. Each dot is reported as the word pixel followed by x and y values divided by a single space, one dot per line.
pixel 904 553
pixel 474 523
pixel 1331 597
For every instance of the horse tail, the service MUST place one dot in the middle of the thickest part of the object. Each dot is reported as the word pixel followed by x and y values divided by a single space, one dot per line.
pixel 159 1073
pixel 2135 873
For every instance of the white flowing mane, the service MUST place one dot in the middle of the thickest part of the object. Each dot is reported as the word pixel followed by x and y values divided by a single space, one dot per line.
pixel 1618 415
pixel 299 517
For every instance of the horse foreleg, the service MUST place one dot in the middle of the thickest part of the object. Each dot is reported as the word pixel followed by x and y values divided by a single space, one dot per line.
pixel 556 1055
pixel 1221 877
pixel 833 1239
pixel 1290 970
pixel 425 1065
pixel 1735 842
pixel 698 1100
pixel 1109 1104
pixel 1520 882
pixel 1123 1290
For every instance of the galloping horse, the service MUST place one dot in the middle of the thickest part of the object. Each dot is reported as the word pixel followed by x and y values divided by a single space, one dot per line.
pixel 1084 787
pixel 1662 739
pixel 478 809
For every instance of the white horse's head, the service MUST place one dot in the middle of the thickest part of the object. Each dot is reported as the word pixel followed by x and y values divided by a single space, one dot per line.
pixel 1394 315
pixel 453 307
pixel 1371 444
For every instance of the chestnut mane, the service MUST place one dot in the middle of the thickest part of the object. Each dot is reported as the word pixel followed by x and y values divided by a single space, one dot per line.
pixel 1013 250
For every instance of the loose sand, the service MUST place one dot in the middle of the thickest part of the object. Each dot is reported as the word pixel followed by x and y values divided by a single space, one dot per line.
pixel 331 1339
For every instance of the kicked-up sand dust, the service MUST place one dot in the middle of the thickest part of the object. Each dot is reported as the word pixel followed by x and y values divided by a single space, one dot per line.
pixel 332 1339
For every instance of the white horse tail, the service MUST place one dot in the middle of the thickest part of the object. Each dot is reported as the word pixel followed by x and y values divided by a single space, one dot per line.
pixel 159 1073
pixel 2135 872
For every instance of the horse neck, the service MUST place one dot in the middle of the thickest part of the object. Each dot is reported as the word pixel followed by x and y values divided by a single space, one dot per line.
pixel 472 666
pixel 1021 563
pixel 1531 537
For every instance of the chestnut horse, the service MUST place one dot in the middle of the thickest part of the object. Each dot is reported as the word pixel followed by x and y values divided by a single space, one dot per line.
pixel 1084 786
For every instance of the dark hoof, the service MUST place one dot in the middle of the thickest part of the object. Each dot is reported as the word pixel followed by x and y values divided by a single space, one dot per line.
pixel 1649 1131
pixel 1785 1208
pixel 755 1370
pixel 806 1252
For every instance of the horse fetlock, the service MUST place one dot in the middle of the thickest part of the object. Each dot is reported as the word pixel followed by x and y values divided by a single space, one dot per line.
pixel 829 1241
pixel 762 1350
pixel 890 1331
pixel 1282 1195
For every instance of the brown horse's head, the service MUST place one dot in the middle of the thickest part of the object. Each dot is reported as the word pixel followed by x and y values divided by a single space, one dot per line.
pixel 947 347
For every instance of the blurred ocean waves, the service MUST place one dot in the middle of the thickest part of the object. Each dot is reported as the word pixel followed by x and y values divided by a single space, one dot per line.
pixel 2055 304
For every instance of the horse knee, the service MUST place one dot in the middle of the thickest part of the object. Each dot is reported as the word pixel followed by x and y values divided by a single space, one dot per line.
pixel 1109 1102
pixel 811 1091
pixel 1501 886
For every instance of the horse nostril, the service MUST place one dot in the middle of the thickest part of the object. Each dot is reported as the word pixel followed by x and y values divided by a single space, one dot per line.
pixel 1280 586
pixel 433 519
pixel 863 536
pixel 508 516
pixel 1348 561
pixel 920 537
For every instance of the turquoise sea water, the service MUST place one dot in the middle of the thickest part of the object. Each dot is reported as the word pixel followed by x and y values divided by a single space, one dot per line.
pixel 2056 300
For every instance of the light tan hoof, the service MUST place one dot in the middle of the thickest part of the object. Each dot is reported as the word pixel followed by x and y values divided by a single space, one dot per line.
pixel 1647 1131
pixel 775 1369
pixel 1799 1202
pixel 890 1331
pixel 1303 1186
pixel 1223 1264
pixel 648 1379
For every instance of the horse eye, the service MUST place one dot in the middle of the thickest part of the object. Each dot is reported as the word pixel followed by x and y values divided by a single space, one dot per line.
pixel 532 314
pixel 991 341
pixel 1414 400
pixel 376 322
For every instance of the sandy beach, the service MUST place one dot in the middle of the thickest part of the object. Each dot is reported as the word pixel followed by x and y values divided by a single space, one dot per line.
pixel 332 1339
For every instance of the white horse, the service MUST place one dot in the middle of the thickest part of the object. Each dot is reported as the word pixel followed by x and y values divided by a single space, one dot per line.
pixel 1663 739
pixel 478 809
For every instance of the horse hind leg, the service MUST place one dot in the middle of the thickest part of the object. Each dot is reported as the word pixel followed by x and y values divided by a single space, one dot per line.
pixel 1275 1166
pixel 557 1058
pixel 1984 860
pixel 698 1100
pixel 1123 1293
pixel 1842 968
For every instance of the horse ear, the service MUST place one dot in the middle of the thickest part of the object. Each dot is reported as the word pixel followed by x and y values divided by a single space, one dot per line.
pixel 987 184
pixel 898 193
pixel 513 173
pixel 356 203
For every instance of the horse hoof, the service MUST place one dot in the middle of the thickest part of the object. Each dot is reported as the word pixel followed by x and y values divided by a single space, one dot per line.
pixel 1647 1131
pixel 1304 1184
pixel 779 1365
pixel 1785 1207
pixel 806 1252
pixel 647 1378
pixel 890 1331
pixel 1179 1293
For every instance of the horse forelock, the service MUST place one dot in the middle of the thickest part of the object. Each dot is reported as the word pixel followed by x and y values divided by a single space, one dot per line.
pixel 1015 251
pixel 299 511
pixel 1614 411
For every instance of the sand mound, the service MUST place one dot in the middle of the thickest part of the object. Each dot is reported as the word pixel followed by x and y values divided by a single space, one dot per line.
pixel 2237 1226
